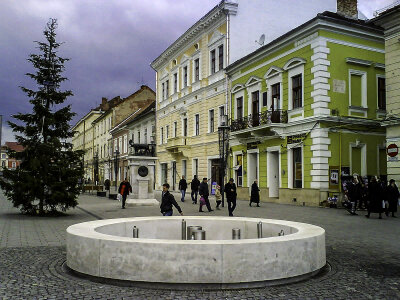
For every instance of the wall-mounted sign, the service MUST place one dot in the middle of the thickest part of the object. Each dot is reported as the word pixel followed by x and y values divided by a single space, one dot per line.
pixel 293 139
pixel 339 86
pixel 392 150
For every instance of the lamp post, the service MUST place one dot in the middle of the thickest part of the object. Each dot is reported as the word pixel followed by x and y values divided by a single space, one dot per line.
pixel 223 141
pixel 116 166
pixel 96 168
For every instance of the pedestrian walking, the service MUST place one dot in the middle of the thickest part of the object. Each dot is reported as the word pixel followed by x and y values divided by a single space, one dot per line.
pixel 230 190
pixel 392 195
pixel 353 194
pixel 255 193
pixel 218 196
pixel 374 198
pixel 124 189
pixel 203 192
pixel 194 185
pixel 167 200
pixel 183 187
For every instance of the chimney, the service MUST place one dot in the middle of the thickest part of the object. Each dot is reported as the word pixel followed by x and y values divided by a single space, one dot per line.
pixel 347 8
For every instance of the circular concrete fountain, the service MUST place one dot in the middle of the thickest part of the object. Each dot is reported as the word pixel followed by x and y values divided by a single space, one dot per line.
pixel 160 258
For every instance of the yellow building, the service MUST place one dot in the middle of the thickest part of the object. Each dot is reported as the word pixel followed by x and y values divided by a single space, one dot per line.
pixel 389 19
pixel 84 140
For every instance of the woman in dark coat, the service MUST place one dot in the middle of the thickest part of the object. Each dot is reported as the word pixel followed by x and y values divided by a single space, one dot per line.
pixel 375 198
pixel 255 195
pixel 392 195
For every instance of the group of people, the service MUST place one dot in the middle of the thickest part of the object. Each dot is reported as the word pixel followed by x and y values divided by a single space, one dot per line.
pixel 375 196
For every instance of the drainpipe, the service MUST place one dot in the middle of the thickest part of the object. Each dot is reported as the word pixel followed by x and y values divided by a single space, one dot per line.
pixel 227 79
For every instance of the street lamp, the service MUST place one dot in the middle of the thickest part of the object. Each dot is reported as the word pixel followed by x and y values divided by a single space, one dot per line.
pixel 223 141
pixel 116 165
pixel 96 168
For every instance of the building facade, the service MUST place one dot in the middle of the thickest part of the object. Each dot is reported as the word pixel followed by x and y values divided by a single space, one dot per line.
pixel 191 86
pixel 389 19
pixel 307 110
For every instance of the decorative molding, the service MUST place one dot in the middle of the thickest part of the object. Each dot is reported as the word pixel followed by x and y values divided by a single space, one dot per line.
pixel 273 71
pixel 294 62
pixel 356 61
pixel 237 87
pixel 252 81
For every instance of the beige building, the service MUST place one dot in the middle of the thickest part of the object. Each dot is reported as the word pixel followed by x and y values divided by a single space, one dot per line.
pixel 389 19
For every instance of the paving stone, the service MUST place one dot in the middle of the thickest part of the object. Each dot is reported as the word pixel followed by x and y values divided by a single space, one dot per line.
pixel 363 254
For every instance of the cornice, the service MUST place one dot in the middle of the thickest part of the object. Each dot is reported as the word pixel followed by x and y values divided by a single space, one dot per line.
pixel 216 14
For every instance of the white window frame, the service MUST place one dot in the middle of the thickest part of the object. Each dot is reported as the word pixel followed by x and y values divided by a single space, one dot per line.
pixel 377 89
pixel 218 39
pixel 194 166
pixel 219 114
pixel 277 78
pixel 175 129
pixel 364 90
pixel 299 70
pixel 197 55
pixel 183 126
pixel 237 96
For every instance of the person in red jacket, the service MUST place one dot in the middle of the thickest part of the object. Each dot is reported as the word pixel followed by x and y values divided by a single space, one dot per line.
pixel 124 189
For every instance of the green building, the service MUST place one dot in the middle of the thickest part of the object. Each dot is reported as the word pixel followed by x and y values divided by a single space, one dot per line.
pixel 307 108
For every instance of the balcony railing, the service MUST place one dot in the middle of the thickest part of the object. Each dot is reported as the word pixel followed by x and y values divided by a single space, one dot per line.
pixel 143 150
pixel 265 117
pixel 176 142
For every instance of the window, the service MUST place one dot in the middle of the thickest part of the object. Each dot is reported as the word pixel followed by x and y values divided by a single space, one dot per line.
pixel 167 132
pixel 185 77
pixel 162 135
pixel 133 137
pixel 184 127
pixel 175 129
pixel 211 120
pixel 164 174
pixel 138 136
pixel 381 93
pixel 175 82
pixel 163 91
pixel 220 57
pixel 197 124
pixel 13 164
pixel 166 89
pixel 297 91
pixel 276 95
pixel 297 168
pixel 195 166
pixel 197 69
pixel 145 136
pixel 239 108
pixel 213 63
pixel 221 114
pixel 265 99
pixel 184 168
pixel 125 143
pixel 356 86
pixel 238 166
pixel 119 144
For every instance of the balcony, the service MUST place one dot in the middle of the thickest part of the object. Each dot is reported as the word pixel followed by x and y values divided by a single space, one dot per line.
pixel 263 118
pixel 177 144
pixel 142 150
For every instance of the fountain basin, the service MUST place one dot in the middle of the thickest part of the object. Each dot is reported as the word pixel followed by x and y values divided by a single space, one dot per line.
pixel 106 249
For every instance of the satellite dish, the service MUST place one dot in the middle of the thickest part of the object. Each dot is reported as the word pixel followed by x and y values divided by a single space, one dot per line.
pixel 261 40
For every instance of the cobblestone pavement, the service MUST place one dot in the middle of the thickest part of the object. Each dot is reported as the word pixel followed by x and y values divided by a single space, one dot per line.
pixel 364 255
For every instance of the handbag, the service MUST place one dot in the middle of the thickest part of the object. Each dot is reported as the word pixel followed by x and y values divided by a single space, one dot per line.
pixel 119 197
pixel 202 201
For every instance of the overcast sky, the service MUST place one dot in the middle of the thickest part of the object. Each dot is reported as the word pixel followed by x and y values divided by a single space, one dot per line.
pixel 110 43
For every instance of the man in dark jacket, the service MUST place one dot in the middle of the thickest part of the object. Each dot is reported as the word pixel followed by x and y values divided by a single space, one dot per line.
pixel 167 201
pixel 392 195
pixel 194 185
pixel 203 191
pixel 124 189
pixel 183 187
pixel 230 190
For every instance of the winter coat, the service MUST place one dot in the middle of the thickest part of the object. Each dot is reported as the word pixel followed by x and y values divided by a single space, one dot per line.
pixel 125 188
pixel 255 195
pixel 230 190
pixel 392 195
pixel 194 185
pixel 375 194
pixel 167 201
pixel 203 189
pixel 182 184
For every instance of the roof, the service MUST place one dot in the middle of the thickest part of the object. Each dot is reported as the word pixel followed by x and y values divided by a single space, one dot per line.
pixel 14 146
pixel 141 112
pixel 327 16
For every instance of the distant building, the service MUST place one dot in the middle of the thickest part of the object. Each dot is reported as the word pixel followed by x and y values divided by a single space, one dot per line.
pixel 5 160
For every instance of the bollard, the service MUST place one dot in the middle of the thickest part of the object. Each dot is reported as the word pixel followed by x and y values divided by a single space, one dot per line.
pixel 190 229
pixel 282 233
pixel 235 234
pixel 135 232
pixel 259 230
pixel 183 229
pixel 198 234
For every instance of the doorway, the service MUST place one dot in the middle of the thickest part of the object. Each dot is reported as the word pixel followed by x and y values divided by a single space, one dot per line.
pixel 273 174
pixel 215 171
pixel 252 168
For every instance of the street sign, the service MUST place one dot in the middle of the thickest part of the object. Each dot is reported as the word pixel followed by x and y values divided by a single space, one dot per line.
pixel 392 150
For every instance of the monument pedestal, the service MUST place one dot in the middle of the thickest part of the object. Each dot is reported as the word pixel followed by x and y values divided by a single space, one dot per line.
pixel 142 170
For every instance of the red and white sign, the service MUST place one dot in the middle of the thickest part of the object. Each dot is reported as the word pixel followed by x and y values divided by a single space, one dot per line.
pixel 392 150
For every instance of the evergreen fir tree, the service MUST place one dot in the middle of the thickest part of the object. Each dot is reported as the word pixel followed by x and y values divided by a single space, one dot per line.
pixel 47 178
